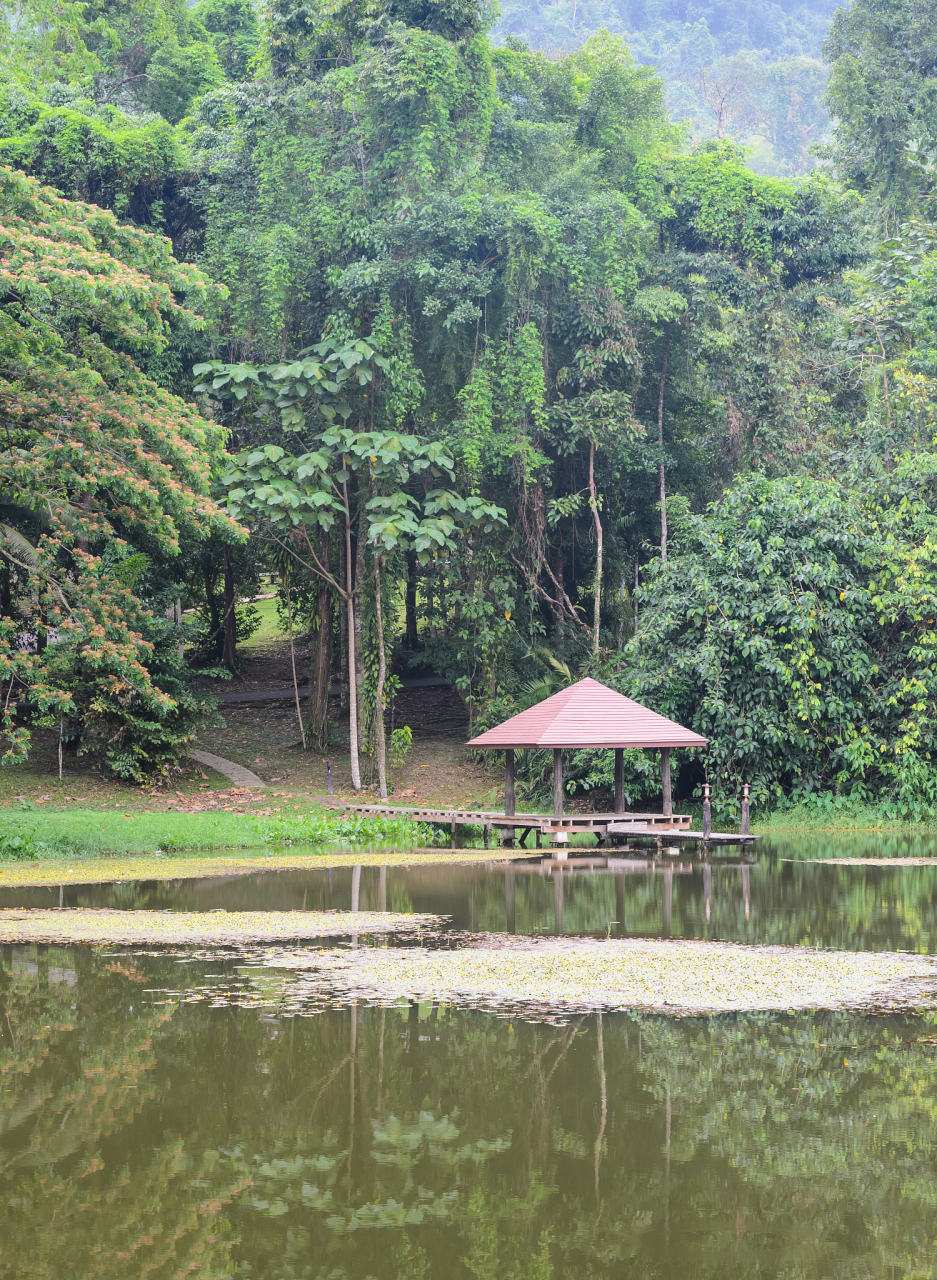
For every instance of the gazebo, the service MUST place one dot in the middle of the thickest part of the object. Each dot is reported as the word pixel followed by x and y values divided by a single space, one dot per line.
pixel 587 715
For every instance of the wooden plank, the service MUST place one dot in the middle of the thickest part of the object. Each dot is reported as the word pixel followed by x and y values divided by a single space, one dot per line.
pixel 714 837
pixel 542 823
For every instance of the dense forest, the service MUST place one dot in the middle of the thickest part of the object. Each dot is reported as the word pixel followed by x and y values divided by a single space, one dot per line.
pixel 496 370
pixel 751 71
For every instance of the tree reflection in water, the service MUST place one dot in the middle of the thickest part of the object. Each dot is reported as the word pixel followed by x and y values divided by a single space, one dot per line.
pixel 141 1139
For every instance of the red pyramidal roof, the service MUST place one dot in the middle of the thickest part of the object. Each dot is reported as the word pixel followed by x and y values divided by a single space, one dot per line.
pixel 588 714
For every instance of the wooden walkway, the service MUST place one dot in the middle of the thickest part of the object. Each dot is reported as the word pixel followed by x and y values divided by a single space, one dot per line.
pixel 557 830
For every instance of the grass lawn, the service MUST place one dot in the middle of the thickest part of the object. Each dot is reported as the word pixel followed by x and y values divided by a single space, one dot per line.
pixel 27 835
pixel 269 629
pixel 87 833
pixel 838 816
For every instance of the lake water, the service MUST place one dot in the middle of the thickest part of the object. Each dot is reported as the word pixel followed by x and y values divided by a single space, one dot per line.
pixel 143 1136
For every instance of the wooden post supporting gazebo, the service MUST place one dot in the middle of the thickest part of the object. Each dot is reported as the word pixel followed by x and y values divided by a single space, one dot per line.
pixel 587 715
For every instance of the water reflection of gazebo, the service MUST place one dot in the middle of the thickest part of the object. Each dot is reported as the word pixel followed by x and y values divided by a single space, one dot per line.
pixel 589 715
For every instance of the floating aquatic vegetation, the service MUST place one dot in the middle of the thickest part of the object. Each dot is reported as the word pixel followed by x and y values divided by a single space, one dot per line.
pixel 551 979
pixel 867 862
pixel 165 867
pixel 68 926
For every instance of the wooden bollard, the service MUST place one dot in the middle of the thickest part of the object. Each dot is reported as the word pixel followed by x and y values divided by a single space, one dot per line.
pixel 329 776
pixel 745 809
pixel 707 812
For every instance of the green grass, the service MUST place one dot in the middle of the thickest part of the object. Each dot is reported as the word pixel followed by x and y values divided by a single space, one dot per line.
pixel 837 815
pixel 32 836
pixel 269 629
pixel 87 833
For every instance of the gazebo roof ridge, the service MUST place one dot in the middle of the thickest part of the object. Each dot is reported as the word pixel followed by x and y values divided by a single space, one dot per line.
pixel 587 714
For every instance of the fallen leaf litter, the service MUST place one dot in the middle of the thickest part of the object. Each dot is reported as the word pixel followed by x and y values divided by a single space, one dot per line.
pixel 91 926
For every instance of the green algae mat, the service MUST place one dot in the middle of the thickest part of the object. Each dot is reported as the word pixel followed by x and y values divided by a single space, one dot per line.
pixel 70 926
pixel 157 867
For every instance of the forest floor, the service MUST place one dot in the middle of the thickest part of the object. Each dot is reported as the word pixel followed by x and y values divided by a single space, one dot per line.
pixel 265 737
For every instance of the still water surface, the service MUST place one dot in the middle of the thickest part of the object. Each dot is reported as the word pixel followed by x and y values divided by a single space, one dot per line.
pixel 141 1138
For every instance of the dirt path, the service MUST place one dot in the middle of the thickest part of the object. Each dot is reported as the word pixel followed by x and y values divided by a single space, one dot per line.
pixel 262 738
pixel 235 772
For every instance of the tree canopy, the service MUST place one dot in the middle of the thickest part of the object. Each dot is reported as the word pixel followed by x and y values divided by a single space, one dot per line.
pixel 483 325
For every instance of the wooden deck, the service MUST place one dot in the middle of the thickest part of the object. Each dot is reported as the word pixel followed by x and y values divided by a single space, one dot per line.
pixel 556 830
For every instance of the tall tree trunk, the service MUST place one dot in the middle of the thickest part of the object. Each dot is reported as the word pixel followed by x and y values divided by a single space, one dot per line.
pixel 322 670
pixel 379 744
pixel 214 617
pixel 358 665
pixel 636 595
pixel 413 638
pixel 558 565
pixel 660 441
pixel 594 504
pixel 229 651
pixel 289 614
pixel 82 542
pixel 343 627
pixel 350 628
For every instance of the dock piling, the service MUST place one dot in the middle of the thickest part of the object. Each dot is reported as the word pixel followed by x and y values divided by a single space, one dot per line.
pixel 557 782
pixel 707 813
pixel 509 783
pixel 668 901
pixel 708 888
pixel 665 781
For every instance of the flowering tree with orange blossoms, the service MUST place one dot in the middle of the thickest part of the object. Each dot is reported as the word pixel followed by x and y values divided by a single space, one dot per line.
pixel 95 457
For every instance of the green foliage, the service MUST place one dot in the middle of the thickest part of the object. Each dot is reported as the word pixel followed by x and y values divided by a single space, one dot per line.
pixel 95 454
pixel 766 631
pixel 400 742
pixel 234 31
pixel 882 99
pixel 17 848
pixel 93 153
pixel 483 307
pixel 354 830
pixel 151 57
pixel 745 70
